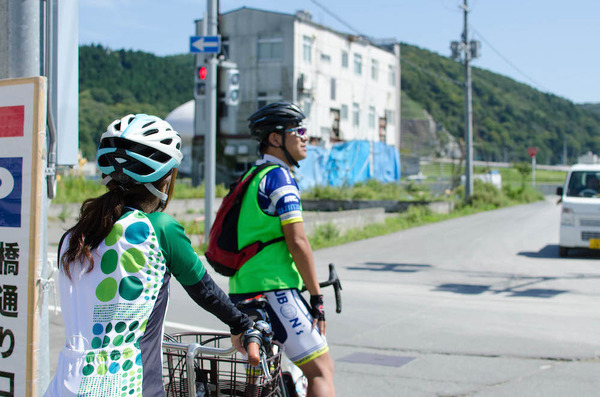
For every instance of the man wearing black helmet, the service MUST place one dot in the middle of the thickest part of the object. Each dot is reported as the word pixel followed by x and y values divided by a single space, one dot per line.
pixel 272 214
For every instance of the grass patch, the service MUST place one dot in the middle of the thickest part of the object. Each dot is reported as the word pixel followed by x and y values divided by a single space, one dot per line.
pixel 511 175
pixel 72 189
pixel 485 197
pixel 370 190
pixel 76 189
pixel 185 190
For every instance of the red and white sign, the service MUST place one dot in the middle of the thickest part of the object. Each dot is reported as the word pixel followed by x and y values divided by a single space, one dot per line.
pixel 22 134
pixel 12 119
pixel 532 151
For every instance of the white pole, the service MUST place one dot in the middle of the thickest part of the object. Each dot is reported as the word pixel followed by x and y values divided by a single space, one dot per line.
pixel 210 147
pixel 533 170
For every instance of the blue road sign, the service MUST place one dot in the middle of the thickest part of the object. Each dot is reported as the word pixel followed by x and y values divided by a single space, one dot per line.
pixel 210 44
pixel 11 184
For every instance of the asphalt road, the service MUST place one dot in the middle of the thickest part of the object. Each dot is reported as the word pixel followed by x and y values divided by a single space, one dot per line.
pixel 475 306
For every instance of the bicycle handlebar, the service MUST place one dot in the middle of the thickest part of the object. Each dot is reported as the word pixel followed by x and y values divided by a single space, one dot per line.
pixel 196 347
pixel 252 341
pixel 337 287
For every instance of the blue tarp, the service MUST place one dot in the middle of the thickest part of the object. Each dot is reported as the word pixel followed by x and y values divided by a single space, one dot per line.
pixel 347 163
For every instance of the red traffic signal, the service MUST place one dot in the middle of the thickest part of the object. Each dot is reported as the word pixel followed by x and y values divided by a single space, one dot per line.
pixel 202 72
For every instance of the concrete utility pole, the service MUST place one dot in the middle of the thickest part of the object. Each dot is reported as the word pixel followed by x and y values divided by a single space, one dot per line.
pixel 468 109
pixel 21 34
pixel 469 50
pixel 210 136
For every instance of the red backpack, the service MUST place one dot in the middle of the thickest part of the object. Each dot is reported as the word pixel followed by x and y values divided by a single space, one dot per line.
pixel 223 253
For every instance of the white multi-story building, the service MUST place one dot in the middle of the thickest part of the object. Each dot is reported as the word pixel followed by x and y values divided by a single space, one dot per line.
pixel 348 87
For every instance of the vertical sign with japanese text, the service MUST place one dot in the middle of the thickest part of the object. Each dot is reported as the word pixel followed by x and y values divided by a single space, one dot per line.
pixel 22 145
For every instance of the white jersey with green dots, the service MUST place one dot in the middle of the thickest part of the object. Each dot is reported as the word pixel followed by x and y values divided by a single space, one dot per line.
pixel 114 313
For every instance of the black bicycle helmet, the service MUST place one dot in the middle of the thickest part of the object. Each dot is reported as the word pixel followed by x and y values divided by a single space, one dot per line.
pixel 275 117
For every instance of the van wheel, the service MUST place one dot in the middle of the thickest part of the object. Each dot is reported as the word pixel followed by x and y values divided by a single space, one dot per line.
pixel 563 251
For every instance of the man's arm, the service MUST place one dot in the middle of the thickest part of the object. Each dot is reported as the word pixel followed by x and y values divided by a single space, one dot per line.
pixel 299 247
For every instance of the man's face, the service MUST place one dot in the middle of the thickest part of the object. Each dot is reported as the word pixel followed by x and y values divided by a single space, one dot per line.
pixel 296 139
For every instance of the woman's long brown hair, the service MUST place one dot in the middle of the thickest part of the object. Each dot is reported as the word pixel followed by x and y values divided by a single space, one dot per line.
pixel 98 216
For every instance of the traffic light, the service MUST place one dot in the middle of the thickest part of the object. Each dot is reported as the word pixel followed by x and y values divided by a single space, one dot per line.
pixel 200 82
pixel 202 72
pixel 232 87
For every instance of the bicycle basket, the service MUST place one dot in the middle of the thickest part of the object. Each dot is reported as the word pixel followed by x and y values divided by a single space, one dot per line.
pixel 216 375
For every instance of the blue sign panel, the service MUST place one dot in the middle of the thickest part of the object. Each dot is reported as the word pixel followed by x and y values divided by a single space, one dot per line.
pixel 11 183
pixel 211 44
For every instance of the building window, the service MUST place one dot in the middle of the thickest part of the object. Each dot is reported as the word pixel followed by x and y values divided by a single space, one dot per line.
pixel 345 59
pixel 390 117
pixel 358 64
pixel 332 88
pixel 307 107
pixel 325 58
pixel 344 112
pixel 372 117
pixel 307 49
pixel 375 69
pixel 392 73
pixel 355 114
pixel 270 48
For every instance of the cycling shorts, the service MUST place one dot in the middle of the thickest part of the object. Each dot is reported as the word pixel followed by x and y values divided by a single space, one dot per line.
pixel 292 325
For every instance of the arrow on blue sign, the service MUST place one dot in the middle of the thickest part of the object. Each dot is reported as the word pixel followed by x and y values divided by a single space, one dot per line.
pixel 205 44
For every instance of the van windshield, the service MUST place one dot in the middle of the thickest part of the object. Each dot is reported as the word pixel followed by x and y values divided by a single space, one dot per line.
pixel 584 184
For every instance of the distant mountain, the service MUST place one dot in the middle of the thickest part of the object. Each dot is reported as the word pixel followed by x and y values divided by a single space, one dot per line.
pixel 115 83
pixel 508 116
pixel 595 107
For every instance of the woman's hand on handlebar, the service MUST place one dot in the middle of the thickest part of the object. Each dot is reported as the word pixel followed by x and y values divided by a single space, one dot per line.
pixel 251 342
pixel 236 341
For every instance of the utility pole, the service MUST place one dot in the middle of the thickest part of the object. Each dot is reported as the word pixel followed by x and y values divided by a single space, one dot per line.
pixel 468 110
pixel 210 139
pixel 469 50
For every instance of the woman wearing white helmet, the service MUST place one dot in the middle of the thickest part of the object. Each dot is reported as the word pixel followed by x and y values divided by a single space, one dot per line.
pixel 116 264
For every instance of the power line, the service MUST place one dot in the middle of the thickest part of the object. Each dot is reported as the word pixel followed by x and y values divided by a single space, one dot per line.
pixel 535 83
pixel 334 16
pixel 424 70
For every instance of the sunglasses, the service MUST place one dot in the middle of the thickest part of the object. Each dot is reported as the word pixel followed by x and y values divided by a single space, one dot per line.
pixel 298 131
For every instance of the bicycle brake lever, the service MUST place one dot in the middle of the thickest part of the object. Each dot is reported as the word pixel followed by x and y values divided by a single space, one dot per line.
pixel 264 366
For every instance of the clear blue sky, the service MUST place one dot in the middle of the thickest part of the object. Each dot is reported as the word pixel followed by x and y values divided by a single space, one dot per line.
pixel 551 45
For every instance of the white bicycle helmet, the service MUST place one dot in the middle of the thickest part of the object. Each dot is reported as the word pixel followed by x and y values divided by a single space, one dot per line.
pixel 141 148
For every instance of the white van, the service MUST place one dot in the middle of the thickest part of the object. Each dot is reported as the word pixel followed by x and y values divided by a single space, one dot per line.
pixel 580 217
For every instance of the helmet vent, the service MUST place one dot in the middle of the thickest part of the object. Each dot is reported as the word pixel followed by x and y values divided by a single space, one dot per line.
pixel 148 124
pixel 166 141
pixel 118 126
pixel 120 160
pixel 151 132
pixel 178 146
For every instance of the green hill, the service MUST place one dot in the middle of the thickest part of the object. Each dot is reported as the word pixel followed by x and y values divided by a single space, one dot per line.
pixel 508 116
pixel 115 83
pixel 595 107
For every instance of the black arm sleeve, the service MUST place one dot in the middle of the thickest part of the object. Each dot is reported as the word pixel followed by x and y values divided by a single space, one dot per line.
pixel 211 298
